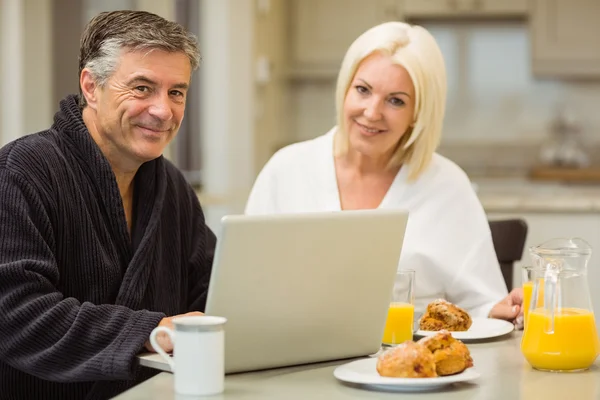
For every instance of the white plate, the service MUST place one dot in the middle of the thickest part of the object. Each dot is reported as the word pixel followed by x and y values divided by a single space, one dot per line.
pixel 364 372
pixel 481 328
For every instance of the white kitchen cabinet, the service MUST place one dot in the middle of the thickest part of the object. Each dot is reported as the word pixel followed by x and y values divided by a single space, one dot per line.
pixel 565 38
pixel 464 8
pixel 322 30
pixel 546 226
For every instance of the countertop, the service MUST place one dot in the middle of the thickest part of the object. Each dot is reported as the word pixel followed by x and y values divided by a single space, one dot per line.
pixel 496 194
pixel 522 195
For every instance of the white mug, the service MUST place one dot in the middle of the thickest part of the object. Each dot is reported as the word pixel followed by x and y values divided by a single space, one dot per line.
pixel 198 354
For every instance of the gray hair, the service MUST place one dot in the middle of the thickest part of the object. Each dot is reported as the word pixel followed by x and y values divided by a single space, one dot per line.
pixel 109 33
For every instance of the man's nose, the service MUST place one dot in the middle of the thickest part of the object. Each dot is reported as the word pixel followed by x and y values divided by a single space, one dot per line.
pixel 161 108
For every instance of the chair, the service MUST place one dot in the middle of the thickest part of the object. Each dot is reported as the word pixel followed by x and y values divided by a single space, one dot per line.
pixel 509 240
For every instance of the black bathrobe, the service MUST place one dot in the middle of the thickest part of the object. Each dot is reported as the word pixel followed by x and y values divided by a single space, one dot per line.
pixel 79 296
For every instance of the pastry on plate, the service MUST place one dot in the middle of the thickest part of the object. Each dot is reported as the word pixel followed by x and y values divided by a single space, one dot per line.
pixel 407 360
pixel 441 314
pixel 451 356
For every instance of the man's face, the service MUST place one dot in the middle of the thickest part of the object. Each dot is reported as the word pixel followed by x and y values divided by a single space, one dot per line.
pixel 141 106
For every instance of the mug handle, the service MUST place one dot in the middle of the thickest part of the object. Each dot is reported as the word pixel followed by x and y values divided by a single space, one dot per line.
pixel 159 349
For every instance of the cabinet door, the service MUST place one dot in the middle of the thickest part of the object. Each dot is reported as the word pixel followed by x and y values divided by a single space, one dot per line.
pixel 322 30
pixel 565 38
pixel 464 8
pixel 519 8
pixel 431 8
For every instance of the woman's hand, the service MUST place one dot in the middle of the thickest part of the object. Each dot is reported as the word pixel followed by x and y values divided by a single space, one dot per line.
pixel 510 308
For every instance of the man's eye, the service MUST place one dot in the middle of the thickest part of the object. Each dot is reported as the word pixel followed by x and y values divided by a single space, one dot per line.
pixel 142 89
pixel 176 93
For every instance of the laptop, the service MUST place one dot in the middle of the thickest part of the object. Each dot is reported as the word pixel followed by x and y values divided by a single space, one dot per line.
pixel 303 288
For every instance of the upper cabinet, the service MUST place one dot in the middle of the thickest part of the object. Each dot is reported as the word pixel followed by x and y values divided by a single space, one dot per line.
pixel 464 8
pixel 322 30
pixel 565 34
pixel 565 38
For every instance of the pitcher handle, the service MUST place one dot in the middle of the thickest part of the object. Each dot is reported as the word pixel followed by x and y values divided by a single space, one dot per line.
pixel 550 294
pixel 159 349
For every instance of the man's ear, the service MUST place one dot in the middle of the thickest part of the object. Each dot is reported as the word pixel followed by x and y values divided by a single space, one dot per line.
pixel 88 87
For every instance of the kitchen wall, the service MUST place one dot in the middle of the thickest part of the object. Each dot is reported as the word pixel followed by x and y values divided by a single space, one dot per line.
pixel 498 101
pixel 25 71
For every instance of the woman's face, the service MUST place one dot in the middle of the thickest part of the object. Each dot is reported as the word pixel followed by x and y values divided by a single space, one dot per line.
pixel 379 106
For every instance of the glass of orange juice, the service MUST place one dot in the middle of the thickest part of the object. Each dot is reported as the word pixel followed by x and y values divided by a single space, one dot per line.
pixel 399 323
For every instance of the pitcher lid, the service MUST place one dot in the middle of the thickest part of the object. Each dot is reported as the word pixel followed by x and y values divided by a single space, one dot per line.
pixel 564 247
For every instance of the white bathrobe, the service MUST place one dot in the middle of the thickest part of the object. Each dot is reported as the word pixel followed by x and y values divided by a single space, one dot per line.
pixel 447 241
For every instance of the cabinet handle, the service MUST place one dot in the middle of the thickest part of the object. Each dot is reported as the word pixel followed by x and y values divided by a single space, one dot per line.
pixel 478 4
pixel 390 10
pixel 453 4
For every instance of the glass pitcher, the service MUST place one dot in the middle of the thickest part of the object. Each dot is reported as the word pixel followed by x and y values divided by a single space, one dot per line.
pixel 560 332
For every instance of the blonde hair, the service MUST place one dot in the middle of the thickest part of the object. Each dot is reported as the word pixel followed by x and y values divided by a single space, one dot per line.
pixel 413 48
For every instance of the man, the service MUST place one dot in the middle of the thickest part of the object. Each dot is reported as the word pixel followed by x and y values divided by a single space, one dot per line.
pixel 101 238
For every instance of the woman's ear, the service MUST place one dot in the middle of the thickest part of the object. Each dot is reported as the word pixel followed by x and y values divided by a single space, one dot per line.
pixel 88 87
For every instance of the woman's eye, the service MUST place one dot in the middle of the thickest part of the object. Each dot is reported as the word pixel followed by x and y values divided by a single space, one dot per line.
pixel 396 101
pixel 361 89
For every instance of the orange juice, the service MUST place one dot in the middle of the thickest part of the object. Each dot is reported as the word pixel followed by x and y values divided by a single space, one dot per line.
pixel 574 344
pixel 527 291
pixel 399 323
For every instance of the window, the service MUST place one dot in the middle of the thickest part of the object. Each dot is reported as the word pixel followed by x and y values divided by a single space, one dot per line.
pixel 492 95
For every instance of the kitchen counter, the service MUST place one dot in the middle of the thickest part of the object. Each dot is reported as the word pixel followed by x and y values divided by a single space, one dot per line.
pixel 504 375
pixel 522 195
pixel 496 194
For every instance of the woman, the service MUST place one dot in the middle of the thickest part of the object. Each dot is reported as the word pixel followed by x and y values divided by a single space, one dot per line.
pixel 390 99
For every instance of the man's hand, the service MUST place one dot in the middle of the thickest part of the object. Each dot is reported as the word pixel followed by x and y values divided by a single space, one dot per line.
pixel 162 338
pixel 510 308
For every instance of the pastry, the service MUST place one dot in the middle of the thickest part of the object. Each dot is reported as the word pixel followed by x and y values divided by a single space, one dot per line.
pixel 441 314
pixel 407 360
pixel 451 356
